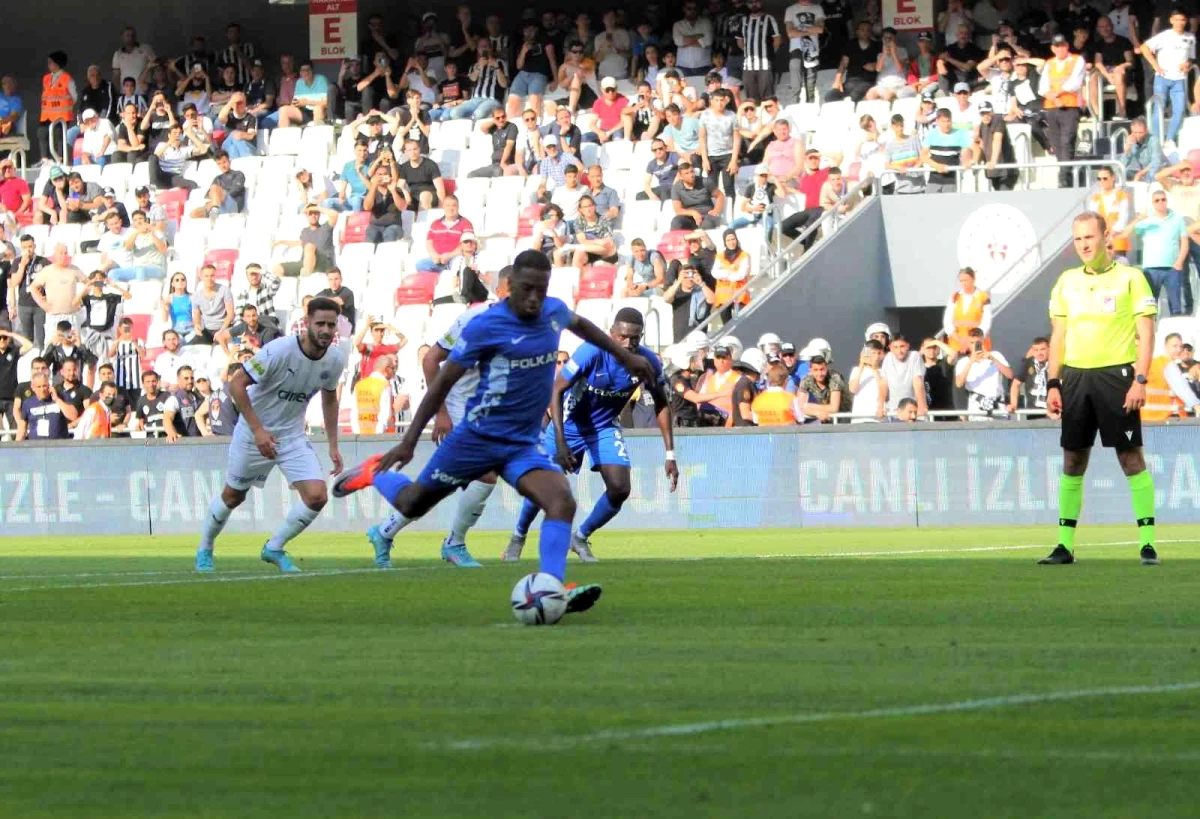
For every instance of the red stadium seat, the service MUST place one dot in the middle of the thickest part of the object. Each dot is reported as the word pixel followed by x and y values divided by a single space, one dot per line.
pixel 673 246
pixel 77 151
pixel 344 421
pixel 426 280
pixel 26 219
pixel 179 195
pixel 174 211
pixel 595 289
pixel 413 295
pixel 151 356
pixel 223 261
pixel 356 227
pixel 141 324
pixel 530 215
pixel 599 273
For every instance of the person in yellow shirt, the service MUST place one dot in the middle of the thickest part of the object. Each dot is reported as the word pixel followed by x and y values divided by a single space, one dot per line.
pixel 1102 314
pixel 774 406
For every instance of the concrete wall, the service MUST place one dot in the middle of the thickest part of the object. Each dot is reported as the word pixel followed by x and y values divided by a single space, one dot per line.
pixel 931 237
pixel 844 285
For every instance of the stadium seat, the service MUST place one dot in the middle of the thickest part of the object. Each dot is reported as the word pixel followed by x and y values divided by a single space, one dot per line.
pixel 410 295
pixel 141 324
pixel 597 311
pixel 285 141
pixel 598 273
pixel 64 234
pixel 529 216
pixel 440 319
pixel 356 255
pixel 673 245
pixel 356 227
pixel 564 281
pixel 223 261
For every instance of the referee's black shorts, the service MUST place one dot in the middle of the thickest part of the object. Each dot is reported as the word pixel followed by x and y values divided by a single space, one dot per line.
pixel 1094 401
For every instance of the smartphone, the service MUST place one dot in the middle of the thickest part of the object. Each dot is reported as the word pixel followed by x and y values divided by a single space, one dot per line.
pixel 977 346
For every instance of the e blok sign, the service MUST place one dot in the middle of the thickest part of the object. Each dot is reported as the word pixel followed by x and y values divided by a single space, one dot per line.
pixel 332 29
pixel 908 14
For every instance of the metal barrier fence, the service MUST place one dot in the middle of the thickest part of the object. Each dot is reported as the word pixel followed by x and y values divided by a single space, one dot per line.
pixel 868 475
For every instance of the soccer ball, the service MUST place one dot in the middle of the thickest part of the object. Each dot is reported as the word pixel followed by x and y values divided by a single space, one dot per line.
pixel 539 599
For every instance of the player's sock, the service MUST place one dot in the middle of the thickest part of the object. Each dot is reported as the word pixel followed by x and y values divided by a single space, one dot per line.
pixel 529 511
pixel 218 516
pixel 394 523
pixel 1141 491
pixel 298 518
pixel 1070 504
pixel 604 511
pixel 389 484
pixel 470 507
pixel 553 546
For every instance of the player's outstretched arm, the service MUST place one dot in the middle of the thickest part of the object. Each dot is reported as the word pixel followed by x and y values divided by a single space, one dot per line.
pixel 402 453
pixel 591 333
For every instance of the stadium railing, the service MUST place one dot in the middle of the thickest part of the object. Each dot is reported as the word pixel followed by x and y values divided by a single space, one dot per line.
pixel 784 262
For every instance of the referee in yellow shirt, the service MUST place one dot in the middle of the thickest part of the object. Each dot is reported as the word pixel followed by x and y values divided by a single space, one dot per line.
pixel 1100 350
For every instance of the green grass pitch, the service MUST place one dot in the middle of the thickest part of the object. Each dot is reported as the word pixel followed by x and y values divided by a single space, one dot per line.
pixel 932 673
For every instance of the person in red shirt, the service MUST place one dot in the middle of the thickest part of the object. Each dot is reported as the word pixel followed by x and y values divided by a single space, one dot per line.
pixel 373 349
pixel 14 191
pixel 608 113
pixel 444 240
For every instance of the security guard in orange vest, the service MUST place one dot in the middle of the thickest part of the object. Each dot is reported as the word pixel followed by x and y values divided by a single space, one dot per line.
pixel 968 308
pixel 1060 88
pixel 1168 392
pixel 372 406
pixel 774 406
pixel 58 102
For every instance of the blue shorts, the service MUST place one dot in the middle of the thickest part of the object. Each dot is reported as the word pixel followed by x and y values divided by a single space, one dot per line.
pixel 527 82
pixel 605 447
pixel 465 455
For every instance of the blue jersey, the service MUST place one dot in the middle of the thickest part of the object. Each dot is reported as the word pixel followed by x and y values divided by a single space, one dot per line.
pixel 600 388
pixel 516 369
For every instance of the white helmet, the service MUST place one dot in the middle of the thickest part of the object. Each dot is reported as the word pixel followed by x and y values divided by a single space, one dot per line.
pixel 818 346
pixel 755 358
pixel 695 340
pixel 768 338
pixel 732 341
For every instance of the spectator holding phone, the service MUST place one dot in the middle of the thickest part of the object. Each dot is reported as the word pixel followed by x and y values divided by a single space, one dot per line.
pixel 981 373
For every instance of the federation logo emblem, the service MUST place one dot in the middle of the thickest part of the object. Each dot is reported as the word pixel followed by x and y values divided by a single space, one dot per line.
pixel 1001 245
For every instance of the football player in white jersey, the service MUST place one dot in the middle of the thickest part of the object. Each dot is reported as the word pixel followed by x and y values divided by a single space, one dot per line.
pixel 272 391
pixel 449 415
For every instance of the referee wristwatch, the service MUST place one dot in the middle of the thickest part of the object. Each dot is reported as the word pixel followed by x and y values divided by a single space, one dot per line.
pixel 1141 379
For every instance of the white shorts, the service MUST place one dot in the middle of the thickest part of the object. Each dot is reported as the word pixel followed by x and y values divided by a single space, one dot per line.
pixel 455 409
pixel 294 456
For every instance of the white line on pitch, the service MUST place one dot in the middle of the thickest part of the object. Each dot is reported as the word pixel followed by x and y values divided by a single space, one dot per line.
pixel 186 577
pixel 693 728
pixel 187 581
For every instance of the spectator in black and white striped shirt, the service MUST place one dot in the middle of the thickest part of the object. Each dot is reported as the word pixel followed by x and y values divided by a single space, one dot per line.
pixel 238 54
pixel 760 39
pixel 489 76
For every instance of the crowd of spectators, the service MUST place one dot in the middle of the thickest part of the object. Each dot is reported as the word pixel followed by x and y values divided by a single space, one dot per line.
pixel 699 99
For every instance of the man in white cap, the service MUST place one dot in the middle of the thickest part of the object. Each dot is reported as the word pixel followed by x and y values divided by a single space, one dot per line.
pixel 607 110
pixel 98 139
pixel 554 162
pixel 756 203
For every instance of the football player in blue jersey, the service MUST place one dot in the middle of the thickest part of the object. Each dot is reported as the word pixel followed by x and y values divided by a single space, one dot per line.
pixel 590 393
pixel 514 344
